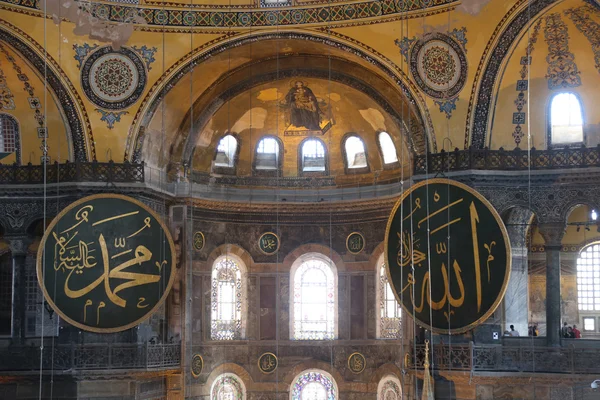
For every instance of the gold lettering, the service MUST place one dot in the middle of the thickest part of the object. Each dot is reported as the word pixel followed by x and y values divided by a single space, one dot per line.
pixel 417 207
pixel 141 300
pixel 438 305
pixel 407 252
pixel 146 225
pixel 439 228
pixel 115 217
pixel 119 242
pixel 475 243
pixel 81 215
pixel 101 305
pixel 436 197
pixel 490 256
pixel 88 302
pixel 439 211
pixel 440 248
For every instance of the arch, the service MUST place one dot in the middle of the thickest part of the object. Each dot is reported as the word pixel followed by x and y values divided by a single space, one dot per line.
pixel 228 298
pixel 10 136
pixel 388 312
pixel 268 155
pixel 354 153
pixel 313 276
pixel 420 140
pixel 228 386
pixel 387 150
pixel 320 383
pixel 389 388
pixel 565 120
pixel 75 115
pixel 313 157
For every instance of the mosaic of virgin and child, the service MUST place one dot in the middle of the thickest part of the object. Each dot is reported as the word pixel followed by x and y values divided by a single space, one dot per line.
pixel 305 111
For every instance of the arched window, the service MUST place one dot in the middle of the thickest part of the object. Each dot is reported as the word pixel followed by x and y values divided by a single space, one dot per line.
pixel 566 120
pixel 389 315
pixel 226 152
pixel 588 278
pixel 314 385
pixel 356 157
pixel 267 154
pixel 313 156
pixel 389 388
pixel 227 297
pixel 314 298
pixel 9 131
pixel 228 387
pixel 388 149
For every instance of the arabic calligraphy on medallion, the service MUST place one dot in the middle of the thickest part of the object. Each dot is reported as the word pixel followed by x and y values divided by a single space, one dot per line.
pixel 197 365
pixel 357 363
pixel 267 363
pixel 447 255
pixel 198 241
pixel 355 242
pixel 105 263
pixel 268 243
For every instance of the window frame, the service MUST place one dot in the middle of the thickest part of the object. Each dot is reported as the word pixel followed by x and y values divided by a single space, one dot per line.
pixel 17 136
pixel 278 171
pixel 295 266
pixel 552 145
pixel 392 165
pixel 230 375
pixel 354 171
pixel 326 375
pixel 243 298
pixel 221 170
pixel 382 383
pixel 378 293
pixel 301 171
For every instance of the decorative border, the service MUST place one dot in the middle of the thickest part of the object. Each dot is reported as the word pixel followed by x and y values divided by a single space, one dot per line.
pixel 278 244
pixel 500 223
pixel 185 17
pixel 364 243
pixel 439 94
pixel 41 252
pixel 66 94
pixel 476 125
pixel 276 363
pixel 117 105
pixel 364 363
pixel 195 374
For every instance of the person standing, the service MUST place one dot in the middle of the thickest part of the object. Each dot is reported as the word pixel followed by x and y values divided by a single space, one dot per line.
pixel 565 330
pixel 576 332
pixel 513 332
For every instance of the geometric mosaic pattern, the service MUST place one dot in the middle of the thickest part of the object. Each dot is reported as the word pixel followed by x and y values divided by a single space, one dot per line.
pixel 562 70
pixel 111 117
pixel 522 85
pixel 181 17
pixel 590 28
pixel 113 79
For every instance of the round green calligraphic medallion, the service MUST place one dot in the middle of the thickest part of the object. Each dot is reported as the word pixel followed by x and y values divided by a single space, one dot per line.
pixel 447 255
pixel 106 263
pixel 268 243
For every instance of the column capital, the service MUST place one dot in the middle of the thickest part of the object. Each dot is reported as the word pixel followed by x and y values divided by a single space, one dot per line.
pixel 18 244
pixel 552 232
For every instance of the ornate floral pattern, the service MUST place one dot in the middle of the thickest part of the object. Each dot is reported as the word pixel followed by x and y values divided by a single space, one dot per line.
pixel 314 377
pixel 447 106
pixel 389 390
pixel 523 84
pixel 438 65
pixel 81 52
pixel 562 70
pixel 590 28
pixel 113 79
pixel 227 387
pixel 7 101
pixel 226 300
pixel 111 117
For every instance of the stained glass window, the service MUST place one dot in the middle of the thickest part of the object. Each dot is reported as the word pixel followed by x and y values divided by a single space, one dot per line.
pixel 588 278
pixel 388 150
pixel 314 301
pixel 390 312
pixel 566 119
pixel 226 152
pixel 226 300
pixel 228 387
pixel 355 152
pixel 267 153
pixel 8 133
pixel 389 388
pixel 313 385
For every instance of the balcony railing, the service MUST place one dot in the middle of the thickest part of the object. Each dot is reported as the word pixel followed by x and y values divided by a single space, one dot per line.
pixel 509 358
pixel 65 357
pixel 72 172
pixel 506 160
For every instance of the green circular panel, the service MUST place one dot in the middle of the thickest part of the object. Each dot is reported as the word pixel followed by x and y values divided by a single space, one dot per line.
pixel 448 255
pixel 106 263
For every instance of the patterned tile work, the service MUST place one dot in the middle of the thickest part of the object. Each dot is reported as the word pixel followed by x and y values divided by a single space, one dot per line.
pixel 184 17
pixel 64 91
pixel 7 101
pixel 590 28
pixel 111 117
pixel 484 88
pixel 447 106
pixel 460 35
pixel 522 85
pixel 147 53
pixel 34 102
pixel 562 70
pixel 81 52
pixel 405 44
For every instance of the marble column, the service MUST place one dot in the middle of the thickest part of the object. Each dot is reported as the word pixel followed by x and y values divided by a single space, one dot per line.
pixel 18 250
pixel 552 234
